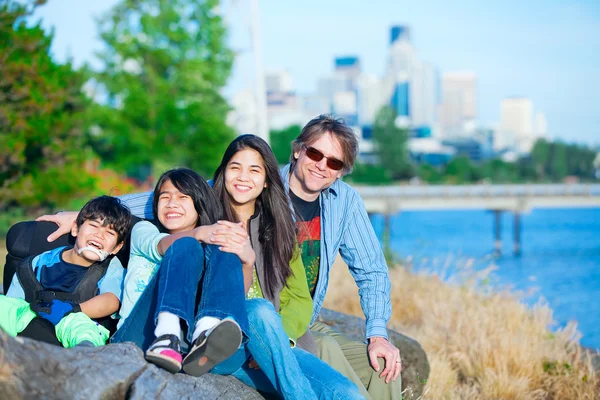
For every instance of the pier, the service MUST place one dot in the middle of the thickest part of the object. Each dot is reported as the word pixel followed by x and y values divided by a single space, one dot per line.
pixel 518 199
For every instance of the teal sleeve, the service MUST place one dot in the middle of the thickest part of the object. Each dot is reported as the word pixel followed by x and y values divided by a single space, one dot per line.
pixel 112 281
pixel 144 241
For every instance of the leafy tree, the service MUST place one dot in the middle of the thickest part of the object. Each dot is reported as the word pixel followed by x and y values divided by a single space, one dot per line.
pixel 163 66
pixel 558 161
pixel 390 144
pixel 41 116
pixel 368 174
pixel 499 171
pixel 460 170
pixel 540 155
pixel 281 142
pixel 430 173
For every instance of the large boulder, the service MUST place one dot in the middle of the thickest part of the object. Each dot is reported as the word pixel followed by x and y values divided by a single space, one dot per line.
pixel 116 371
pixel 33 370
pixel 415 366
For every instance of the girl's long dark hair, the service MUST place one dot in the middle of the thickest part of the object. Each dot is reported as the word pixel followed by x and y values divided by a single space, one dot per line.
pixel 190 183
pixel 277 231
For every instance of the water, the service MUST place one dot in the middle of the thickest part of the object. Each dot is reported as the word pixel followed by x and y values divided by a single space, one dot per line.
pixel 560 254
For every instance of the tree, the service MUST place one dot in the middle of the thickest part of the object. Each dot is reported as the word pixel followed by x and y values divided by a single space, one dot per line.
pixel 42 151
pixel 390 143
pixel 540 155
pixel 164 64
pixel 281 142
pixel 460 170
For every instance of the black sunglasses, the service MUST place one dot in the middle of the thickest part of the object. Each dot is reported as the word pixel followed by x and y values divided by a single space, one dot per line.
pixel 317 156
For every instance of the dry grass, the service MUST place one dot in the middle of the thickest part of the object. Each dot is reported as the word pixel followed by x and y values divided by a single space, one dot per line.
pixel 481 343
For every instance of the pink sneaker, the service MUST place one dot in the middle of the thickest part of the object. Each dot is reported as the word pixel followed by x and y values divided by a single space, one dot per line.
pixel 166 356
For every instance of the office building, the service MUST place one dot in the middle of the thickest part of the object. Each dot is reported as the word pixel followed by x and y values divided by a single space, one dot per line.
pixel 459 103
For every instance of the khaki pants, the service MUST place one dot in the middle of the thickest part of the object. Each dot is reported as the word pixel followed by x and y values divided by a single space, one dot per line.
pixel 350 358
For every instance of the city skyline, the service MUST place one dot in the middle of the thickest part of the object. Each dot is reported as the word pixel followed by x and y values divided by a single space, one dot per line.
pixel 540 50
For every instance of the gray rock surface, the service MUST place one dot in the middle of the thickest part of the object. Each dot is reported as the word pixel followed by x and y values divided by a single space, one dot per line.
pixel 119 371
pixel 415 366
pixel 116 371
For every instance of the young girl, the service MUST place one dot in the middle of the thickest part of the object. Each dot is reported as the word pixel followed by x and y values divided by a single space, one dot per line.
pixel 252 193
pixel 154 307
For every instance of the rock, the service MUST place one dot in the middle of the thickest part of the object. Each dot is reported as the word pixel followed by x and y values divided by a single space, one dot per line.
pixel 119 371
pixel 116 371
pixel 415 366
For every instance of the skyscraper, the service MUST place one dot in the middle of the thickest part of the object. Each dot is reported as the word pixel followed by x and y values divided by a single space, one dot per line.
pixel 396 85
pixel 423 94
pixel 516 124
pixel 349 68
pixel 459 102
pixel 399 32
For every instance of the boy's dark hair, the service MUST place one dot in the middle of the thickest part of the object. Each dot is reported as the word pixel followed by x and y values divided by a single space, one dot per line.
pixel 111 211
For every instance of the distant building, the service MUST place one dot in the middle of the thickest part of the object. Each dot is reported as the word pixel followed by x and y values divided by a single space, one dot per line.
pixel 540 127
pixel 516 124
pixel 399 32
pixel 369 98
pixel 278 81
pixel 467 147
pixel 459 102
pixel 430 151
pixel 423 94
pixel 349 68
pixel 400 100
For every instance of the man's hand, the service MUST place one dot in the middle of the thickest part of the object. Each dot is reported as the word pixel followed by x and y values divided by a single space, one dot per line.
pixel 381 347
pixel 58 310
pixel 64 220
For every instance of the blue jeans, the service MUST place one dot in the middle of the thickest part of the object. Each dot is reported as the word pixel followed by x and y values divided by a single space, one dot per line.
pixel 290 373
pixel 175 288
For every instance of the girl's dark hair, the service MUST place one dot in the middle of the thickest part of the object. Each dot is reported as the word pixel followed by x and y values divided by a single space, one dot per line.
pixel 190 183
pixel 277 231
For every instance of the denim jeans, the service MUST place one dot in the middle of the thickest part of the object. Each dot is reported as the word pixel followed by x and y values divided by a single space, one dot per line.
pixel 290 373
pixel 175 288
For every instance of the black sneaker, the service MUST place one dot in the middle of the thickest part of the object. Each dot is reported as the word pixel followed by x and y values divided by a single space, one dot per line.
pixel 213 346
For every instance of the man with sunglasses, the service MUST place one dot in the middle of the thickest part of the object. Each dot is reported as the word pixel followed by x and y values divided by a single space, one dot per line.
pixel 332 218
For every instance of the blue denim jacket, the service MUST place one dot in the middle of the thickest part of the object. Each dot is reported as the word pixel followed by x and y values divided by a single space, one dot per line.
pixel 345 228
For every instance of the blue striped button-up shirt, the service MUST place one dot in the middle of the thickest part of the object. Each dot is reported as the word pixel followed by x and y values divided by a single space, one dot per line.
pixel 345 228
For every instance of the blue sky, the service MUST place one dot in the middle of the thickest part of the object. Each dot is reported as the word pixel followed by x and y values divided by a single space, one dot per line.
pixel 547 50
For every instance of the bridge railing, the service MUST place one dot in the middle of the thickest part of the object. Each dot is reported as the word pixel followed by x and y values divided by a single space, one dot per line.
pixel 533 190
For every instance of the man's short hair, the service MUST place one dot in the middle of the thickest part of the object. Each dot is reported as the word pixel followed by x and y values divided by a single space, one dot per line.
pixel 321 125
pixel 111 211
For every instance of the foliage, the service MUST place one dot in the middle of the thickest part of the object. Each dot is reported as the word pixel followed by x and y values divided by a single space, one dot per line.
pixel 548 162
pixel 41 116
pixel 430 173
pixel 556 160
pixel 281 142
pixel 390 144
pixel 368 174
pixel 461 170
pixel 164 64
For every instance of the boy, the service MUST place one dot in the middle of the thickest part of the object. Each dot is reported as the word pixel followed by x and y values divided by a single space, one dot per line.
pixel 71 286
